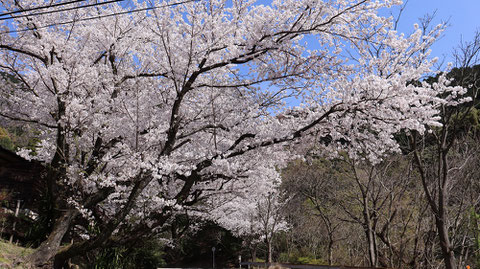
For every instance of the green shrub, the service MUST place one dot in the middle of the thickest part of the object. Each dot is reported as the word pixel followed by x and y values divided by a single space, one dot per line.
pixel 147 254
pixel 5 140
pixel 310 260
pixel 259 260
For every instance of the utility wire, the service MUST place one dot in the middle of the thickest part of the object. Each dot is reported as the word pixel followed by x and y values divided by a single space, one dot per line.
pixel 60 10
pixel 41 7
pixel 98 17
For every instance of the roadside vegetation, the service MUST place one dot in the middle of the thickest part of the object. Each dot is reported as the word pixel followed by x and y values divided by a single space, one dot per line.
pixel 10 252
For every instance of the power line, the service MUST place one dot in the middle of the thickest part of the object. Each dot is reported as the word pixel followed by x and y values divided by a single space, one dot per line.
pixel 41 7
pixel 60 10
pixel 98 17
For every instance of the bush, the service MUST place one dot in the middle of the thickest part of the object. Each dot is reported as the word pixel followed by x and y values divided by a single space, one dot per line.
pixel 310 260
pixel 297 258
pixel 5 140
pixel 259 260
pixel 147 254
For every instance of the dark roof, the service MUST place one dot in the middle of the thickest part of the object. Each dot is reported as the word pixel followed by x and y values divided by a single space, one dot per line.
pixel 22 179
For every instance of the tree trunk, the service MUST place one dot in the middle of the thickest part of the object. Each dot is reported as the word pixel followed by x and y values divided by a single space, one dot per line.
pixel 269 251
pixel 49 248
pixel 441 217
pixel 371 248
pixel 372 254
pixel 438 206
pixel 445 245
pixel 330 251
pixel 106 230
pixel 254 253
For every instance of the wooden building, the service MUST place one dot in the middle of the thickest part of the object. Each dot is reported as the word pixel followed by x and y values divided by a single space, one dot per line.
pixel 21 179
pixel 22 184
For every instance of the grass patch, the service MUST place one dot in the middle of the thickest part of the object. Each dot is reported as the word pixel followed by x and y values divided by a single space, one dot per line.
pixel 10 252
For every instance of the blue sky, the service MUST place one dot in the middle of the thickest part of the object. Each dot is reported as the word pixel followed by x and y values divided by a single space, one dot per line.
pixel 463 17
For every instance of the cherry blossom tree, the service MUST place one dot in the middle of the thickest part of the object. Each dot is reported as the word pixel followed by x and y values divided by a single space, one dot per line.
pixel 253 212
pixel 148 111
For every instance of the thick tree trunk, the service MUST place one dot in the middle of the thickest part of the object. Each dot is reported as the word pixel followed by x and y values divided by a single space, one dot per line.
pixel 47 251
pixel 106 230
pixel 49 248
